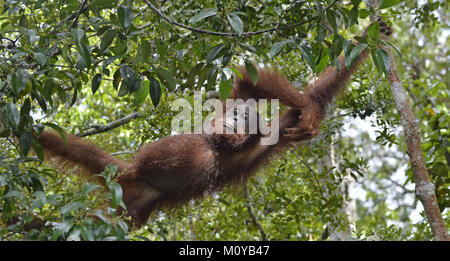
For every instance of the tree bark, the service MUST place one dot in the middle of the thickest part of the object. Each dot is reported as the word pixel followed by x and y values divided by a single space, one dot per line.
pixel 425 190
pixel 328 162
pixel 95 129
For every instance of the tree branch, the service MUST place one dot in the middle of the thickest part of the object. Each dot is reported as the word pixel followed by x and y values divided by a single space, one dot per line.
pixel 400 185
pixel 73 16
pixel 252 215
pixel 197 30
pixel 425 190
pixel 313 175
pixel 95 129
pixel 81 10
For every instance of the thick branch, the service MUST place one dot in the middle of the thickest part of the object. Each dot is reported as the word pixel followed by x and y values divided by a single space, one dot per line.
pixel 425 190
pixel 197 30
pixel 106 127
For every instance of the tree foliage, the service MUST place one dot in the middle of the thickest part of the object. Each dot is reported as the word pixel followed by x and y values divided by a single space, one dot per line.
pixel 68 64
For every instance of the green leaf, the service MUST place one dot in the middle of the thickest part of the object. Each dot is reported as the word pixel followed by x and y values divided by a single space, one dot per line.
pixel 276 48
pixel 211 77
pixel 236 23
pixel 393 46
pixel 215 52
pixel 64 226
pixel 248 47
pixel 74 96
pixel 40 196
pixel 309 58
pixel 103 4
pixel 354 53
pixel 62 94
pixel 155 91
pixel 86 233
pixel 167 78
pixel 38 149
pixel 374 30
pixel 130 80
pixel 375 61
pixel 383 60
pixel 125 15
pixel 331 17
pixel 123 90
pixel 31 36
pixel 120 46
pixel 203 15
pixel 58 129
pixel 71 207
pixel 25 109
pixel 108 61
pixel 143 52
pixel 389 3
pixel 16 83
pixel 40 100
pixel 322 63
pixel 47 91
pixel 77 34
pixel 162 48
pixel 107 39
pixel 117 77
pixel 237 72
pixel 141 93
pixel 202 76
pixel 84 57
pixel 225 88
pixel 25 143
pixel 353 16
pixel 40 58
pixel 116 194
pixel 96 81
pixel 364 13
pixel 127 73
pixel 13 194
pixel 89 187
pixel 360 39
pixel 251 71
pixel 193 73
pixel 12 114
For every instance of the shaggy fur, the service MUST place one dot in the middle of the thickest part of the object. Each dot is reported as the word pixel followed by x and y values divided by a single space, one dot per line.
pixel 175 169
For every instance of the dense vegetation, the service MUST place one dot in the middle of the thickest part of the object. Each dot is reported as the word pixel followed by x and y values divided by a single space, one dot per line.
pixel 76 64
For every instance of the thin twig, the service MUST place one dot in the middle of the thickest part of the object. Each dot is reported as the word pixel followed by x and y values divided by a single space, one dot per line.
pixel 400 185
pixel 313 174
pixel 106 127
pixel 197 30
pixel 35 20
pixel 72 16
pixel 252 215
pixel 75 20
pixel 122 152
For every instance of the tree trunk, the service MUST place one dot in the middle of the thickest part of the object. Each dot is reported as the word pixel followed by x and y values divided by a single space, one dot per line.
pixel 349 206
pixel 425 190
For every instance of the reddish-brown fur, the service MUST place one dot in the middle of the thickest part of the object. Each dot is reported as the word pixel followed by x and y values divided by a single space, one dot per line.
pixel 175 169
